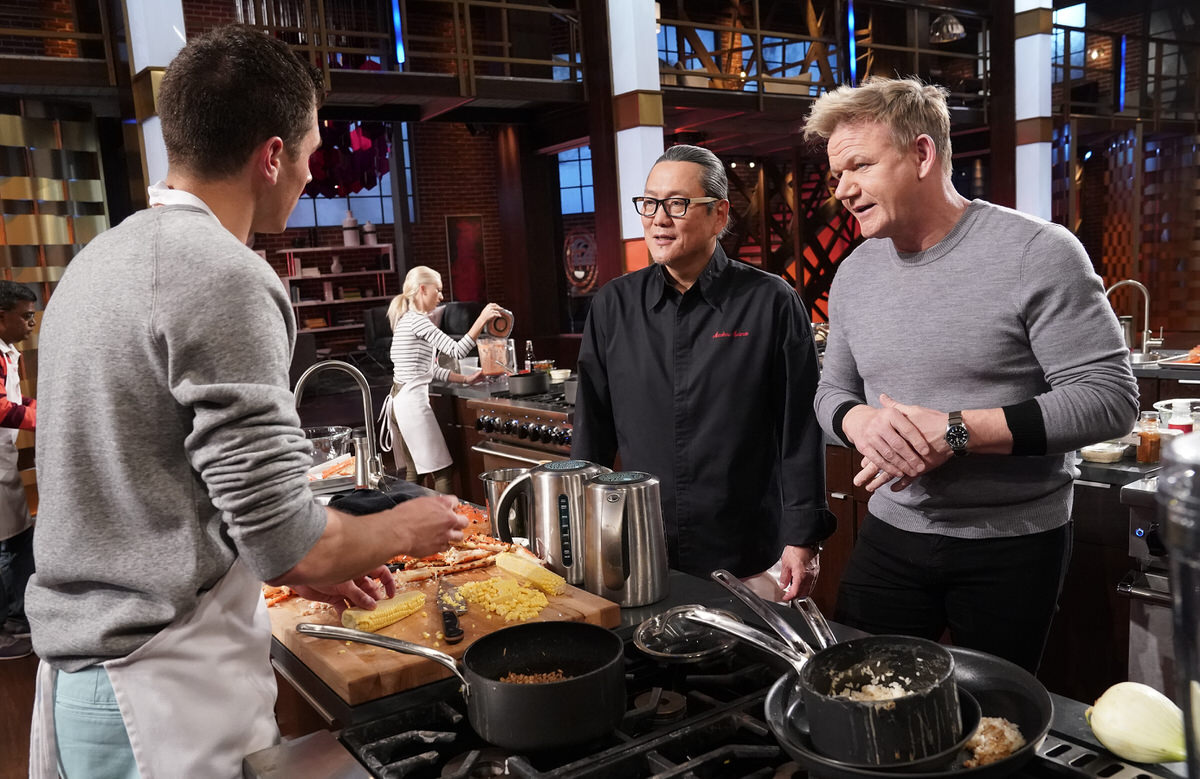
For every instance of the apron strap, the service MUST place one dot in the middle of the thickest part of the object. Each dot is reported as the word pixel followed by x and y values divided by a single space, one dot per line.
pixel 43 746
pixel 385 429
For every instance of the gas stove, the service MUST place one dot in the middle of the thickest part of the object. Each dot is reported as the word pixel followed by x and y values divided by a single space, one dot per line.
pixel 541 422
pixel 681 720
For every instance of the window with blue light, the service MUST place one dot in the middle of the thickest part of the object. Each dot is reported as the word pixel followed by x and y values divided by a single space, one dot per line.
pixel 409 180
pixel 575 181
pixel 1061 40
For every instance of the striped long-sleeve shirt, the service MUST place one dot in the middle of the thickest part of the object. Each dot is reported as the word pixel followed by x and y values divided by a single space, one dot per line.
pixel 416 341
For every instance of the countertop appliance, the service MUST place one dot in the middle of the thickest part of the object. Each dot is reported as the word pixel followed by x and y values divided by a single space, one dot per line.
pixel 625 547
pixel 522 431
pixel 1147 585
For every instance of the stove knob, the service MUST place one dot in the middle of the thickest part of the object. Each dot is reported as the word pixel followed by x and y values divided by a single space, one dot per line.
pixel 535 432
pixel 479 422
pixel 489 424
pixel 510 426
pixel 523 431
pixel 566 437
pixel 1154 541
pixel 555 436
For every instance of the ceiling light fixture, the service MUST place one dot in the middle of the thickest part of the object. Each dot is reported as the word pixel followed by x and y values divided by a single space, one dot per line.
pixel 752 163
pixel 946 28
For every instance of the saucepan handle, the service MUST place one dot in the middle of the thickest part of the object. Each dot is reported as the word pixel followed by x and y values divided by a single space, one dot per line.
pixel 763 609
pixel 816 622
pixel 748 634
pixel 386 642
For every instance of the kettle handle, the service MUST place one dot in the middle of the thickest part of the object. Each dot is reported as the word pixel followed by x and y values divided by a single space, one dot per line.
pixel 519 488
pixel 612 526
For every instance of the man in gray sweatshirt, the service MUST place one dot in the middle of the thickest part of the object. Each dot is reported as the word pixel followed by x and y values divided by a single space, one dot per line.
pixel 170 458
pixel 971 351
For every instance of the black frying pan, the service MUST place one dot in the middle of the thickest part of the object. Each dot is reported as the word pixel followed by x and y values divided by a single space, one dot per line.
pixel 1001 688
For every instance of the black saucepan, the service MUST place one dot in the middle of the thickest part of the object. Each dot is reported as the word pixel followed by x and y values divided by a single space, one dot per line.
pixel 532 383
pixel 587 704
pixel 1001 688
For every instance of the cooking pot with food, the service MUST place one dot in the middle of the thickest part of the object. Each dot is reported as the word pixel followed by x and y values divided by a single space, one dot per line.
pixel 528 687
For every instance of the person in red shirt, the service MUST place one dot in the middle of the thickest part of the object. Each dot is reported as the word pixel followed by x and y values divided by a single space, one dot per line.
pixel 17 412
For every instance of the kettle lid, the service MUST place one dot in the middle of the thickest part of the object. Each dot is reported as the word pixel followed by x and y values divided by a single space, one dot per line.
pixel 622 477
pixel 566 465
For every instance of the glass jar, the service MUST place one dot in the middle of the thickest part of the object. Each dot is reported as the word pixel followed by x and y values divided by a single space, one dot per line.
pixel 1149 438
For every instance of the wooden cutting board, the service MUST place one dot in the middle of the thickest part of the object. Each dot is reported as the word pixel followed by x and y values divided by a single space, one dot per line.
pixel 360 673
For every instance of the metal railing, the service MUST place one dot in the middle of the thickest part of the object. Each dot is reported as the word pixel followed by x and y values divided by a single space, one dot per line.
pixel 74 31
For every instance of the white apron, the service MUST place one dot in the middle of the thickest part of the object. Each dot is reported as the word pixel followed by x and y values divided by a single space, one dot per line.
pixel 14 510
pixel 418 426
pixel 196 698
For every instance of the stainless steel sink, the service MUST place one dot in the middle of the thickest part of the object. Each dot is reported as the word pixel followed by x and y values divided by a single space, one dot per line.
pixel 1137 358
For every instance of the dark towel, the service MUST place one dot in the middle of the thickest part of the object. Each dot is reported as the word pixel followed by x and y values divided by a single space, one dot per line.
pixel 359 502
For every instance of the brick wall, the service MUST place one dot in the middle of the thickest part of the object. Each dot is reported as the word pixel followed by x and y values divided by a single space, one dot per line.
pixel 201 15
pixel 48 16
pixel 455 175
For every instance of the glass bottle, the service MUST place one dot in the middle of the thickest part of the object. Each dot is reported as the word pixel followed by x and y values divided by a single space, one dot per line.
pixel 1149 438
pixel 529 358
pixel 1181 416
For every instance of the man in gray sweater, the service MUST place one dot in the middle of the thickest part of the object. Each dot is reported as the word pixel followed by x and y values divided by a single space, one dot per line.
pixel 170 458
pixel 971 351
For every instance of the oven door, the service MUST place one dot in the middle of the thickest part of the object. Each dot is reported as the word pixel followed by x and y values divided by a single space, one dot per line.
pixel 501 455
pixel 1151 629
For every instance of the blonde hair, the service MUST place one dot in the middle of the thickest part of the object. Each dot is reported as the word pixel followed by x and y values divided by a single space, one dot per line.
pixel 413 280
pixel 907 106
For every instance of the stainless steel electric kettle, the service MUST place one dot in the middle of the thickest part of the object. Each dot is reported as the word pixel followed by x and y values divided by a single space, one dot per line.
pixel 554 490
pixel 625 548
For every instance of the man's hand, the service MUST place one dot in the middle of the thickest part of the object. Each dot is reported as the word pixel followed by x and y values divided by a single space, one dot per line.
pixel 930 428
pixel 888 438
pixel 363 592
pixel 427 525
pixel 798 572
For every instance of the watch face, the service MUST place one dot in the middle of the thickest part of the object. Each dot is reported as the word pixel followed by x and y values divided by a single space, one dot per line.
pixel 956 436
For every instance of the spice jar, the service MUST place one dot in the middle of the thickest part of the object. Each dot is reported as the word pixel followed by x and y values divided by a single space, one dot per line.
pixel 1149 438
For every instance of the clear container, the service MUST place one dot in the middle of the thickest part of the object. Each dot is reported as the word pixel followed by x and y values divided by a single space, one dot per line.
pixel 328 443
pixel 1180 417
pixel 1149 438
pixel 497 356
pixel 1179 511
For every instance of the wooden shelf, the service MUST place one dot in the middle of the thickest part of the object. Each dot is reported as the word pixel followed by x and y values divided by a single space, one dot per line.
pixel 383 282
pixel 330 328
pixel 343 275
pixel 310 303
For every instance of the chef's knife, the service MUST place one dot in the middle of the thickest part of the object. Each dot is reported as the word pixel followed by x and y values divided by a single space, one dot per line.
pixel 451 631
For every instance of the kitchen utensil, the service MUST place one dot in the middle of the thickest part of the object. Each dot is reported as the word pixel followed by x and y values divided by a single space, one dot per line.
pixel 1179 510
pixel 532 383
pixel 586 705
pixel 999 687
pixel 501 325
pixel 798 718
pixel 497 356
pixel 328 442
pixel 560 374
pixel 449 603
pixel 570 387
pixel 822 633
pixel 671 637
pixel 874 731
pixel 747 634
pixel 625 548
pixel 554 503
pixel 494 484
pixel 764 610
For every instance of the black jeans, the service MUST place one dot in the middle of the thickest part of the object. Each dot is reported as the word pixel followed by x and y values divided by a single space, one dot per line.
pixel 16 566
pixel 997 595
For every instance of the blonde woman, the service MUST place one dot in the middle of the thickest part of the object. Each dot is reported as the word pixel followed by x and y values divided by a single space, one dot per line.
pixel 416 341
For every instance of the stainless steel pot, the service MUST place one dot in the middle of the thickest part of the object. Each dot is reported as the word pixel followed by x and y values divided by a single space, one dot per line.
pixel 532 383
pixel 494 484
pixel 555 493
pixel 625 547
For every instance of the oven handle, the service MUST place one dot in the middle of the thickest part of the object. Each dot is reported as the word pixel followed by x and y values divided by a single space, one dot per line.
pixel 517 457
pixel 1128 589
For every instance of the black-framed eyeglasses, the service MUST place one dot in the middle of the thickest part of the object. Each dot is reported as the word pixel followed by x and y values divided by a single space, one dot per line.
pixel 674 206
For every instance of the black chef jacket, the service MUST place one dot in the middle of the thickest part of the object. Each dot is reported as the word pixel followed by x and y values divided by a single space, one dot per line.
pixel 711 391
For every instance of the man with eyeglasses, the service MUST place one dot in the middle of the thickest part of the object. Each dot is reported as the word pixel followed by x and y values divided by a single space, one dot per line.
pixel 17 412
pixel 701 371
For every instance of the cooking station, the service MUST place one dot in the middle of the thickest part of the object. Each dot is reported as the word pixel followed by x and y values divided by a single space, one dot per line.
pixel 519 431
pixel 701 720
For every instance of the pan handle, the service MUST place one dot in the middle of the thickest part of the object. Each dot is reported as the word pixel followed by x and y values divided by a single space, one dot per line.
pixel 387 642
pixel 763 610
pixel 816 621
pixel 751 635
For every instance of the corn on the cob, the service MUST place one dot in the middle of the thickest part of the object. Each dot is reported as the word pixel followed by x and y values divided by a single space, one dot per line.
pixel 385 612
pixel 546 581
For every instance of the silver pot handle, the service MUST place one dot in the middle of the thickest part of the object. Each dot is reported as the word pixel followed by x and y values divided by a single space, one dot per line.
pixel 612 524
pixel 816 622
pixel 520 488
pixel 386 642
pixel 748 634
pixel 506 455
pixel 763 610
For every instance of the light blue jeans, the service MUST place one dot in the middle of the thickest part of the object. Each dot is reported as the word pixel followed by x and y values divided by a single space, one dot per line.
pixel 92 741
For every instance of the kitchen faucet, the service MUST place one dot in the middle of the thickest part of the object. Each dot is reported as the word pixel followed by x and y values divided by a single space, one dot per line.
pixel 374 466
pixel 1147 341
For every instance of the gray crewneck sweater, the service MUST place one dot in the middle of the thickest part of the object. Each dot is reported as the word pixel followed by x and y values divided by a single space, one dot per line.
pixel 1005 311
pixel 168 442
